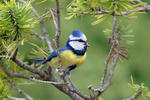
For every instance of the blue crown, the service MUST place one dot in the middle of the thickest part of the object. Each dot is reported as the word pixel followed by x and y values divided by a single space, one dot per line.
pixel 77 33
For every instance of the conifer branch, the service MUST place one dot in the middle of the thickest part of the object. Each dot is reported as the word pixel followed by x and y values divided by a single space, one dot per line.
pixel 46 36
pixel 141 8
pixel 15 24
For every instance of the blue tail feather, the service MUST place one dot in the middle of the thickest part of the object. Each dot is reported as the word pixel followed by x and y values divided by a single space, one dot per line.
pixel 38 60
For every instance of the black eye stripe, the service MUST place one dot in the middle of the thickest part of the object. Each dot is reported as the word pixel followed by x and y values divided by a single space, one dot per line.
pixel 80 40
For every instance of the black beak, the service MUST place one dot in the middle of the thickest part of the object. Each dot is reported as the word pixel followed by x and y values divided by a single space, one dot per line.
pixel 86 44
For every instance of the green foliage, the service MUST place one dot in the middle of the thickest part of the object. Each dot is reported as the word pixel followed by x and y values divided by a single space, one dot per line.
pixel 16 22
pixel 4 86
pixel 117 6
pixel 100 18
pixel 136 88
pixel 125 29
pixel 37 53
pixel 108 7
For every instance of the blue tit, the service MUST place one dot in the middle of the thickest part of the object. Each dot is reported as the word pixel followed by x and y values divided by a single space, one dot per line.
pixel 73 54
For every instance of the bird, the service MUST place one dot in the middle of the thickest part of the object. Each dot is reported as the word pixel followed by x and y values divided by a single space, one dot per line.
pixel 73 54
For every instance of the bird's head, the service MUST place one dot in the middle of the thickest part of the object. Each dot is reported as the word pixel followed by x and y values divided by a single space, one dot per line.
pixel 77 41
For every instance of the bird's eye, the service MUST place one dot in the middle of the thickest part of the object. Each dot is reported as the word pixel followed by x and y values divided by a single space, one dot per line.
pixel 81 40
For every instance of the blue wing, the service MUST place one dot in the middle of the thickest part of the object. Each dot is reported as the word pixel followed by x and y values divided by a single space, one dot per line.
pixel 38 60
pixel 52 55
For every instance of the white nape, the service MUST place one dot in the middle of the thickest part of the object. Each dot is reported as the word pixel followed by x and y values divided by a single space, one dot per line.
pixel 83 37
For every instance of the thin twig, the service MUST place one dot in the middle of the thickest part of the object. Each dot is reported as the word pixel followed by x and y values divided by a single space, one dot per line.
pixel 54 20
pixel 57 50
pixel 106 67
pixel 58 32
pixel 47 82
pixel 19 90
pixel 39 36
pixel 14 98
pixel 113 26
pixel 56 41
pixel 46 36
pixel 109 80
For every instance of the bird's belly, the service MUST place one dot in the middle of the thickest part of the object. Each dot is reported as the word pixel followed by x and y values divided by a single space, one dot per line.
pixel 68 59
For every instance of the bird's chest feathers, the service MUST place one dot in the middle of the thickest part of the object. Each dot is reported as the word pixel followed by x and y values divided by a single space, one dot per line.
pixel 68 59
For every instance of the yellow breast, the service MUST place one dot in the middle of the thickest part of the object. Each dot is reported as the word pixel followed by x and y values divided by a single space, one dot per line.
pixel 68 59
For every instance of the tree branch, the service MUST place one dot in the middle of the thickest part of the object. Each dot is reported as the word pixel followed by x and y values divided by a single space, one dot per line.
pixel 25 66
pixel 62 87
pixel 114 55
pixel 32 78
pixel 10 73
pixel 110 53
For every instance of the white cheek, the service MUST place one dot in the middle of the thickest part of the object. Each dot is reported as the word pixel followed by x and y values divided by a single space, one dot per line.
pixel 77 45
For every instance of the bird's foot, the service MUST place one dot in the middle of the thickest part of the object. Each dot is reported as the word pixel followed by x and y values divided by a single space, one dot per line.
pixel 61 72
pixel 71 83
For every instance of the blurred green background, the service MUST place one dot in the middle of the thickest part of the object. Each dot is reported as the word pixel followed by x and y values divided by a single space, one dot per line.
pixel 91 71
